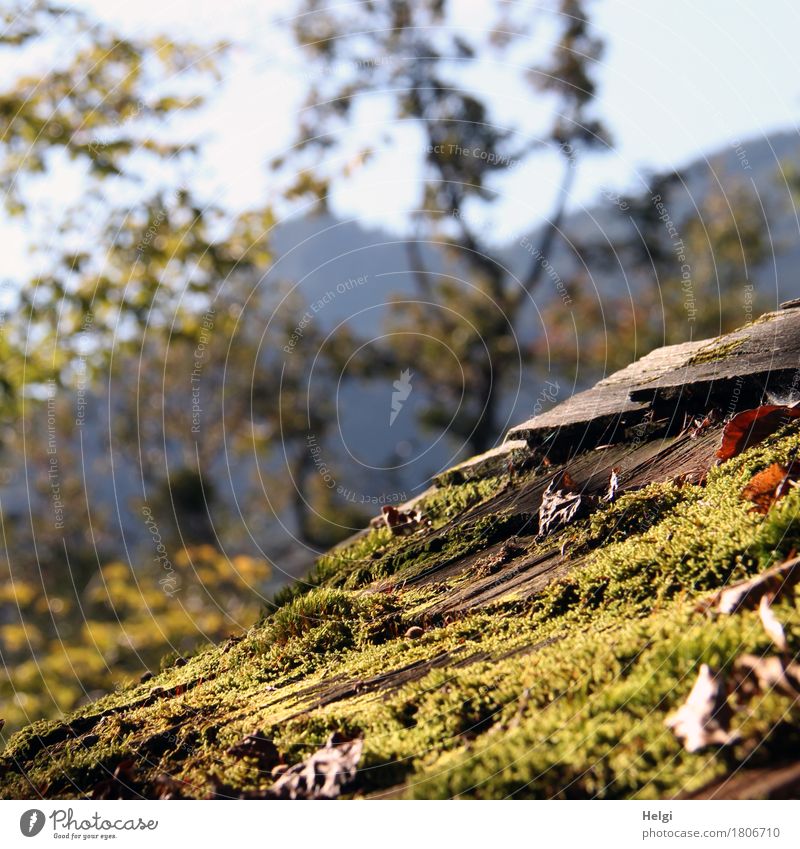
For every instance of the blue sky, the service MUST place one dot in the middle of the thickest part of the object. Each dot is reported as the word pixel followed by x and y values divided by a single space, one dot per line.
pixel 680 80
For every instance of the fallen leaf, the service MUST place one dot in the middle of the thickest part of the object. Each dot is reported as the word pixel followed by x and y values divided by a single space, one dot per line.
pixel 752 426
pixel 770 622
pixel 704 718
pixel 698 425
pixel 403 522
pixel 324 775
pixel 561 504
pixel 769 486
pixel 259 747
pixel 613 486
pixel 747 594
pixel 767 673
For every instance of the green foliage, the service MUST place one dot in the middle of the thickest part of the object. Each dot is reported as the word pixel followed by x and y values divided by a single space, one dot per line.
pixel 65 647
pixel 94 99
pixel 463 148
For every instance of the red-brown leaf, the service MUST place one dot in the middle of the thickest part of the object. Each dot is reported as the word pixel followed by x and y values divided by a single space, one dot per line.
pixel 773 483
pixel 751 426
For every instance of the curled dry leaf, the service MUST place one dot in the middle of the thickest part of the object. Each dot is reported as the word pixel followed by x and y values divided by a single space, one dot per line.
pixel 762 674
pixel 747 594
pixel 770 622
pixel 752 426
pixel 561 504
pixel 613 486
pixel 325 775
pixel 773 483
pixel 704 718
pixel 403 522
pixel 698 426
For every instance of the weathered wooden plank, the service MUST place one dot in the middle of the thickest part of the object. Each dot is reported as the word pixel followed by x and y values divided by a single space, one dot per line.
pixel 609 402
pixel 731 371
pixel 509 567
pixel 774 782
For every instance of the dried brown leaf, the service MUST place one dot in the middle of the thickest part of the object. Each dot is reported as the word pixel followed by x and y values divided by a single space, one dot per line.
pixel 324 775
pixel 698 425
pixel 770 622
pixel 613 486
pixel 403 522
pixel 763 674
pixel 561 504
pixel 704 718
pixel 752 426
pixel 769 486
pixel 747 594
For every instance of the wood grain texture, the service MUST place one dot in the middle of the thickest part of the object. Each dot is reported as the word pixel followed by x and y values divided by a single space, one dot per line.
pixel 731 372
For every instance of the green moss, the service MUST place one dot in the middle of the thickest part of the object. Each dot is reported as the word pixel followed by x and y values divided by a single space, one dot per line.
pixel 450 501
pixel 715 352
pixel 587 717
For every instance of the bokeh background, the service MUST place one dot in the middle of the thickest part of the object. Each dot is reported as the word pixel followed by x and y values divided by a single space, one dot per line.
pixel 268 266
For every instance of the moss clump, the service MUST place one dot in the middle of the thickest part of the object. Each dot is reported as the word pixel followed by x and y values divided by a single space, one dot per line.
pixel 716 352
